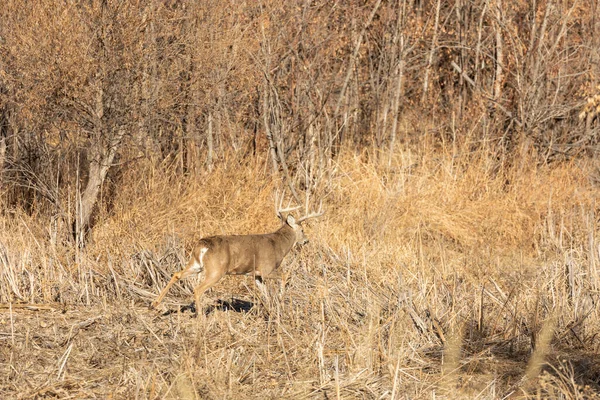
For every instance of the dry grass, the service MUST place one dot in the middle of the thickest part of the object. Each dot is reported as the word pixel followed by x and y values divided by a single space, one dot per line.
pixel 446 276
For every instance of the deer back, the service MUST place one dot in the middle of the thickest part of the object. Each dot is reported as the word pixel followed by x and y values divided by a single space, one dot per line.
pixel 244 254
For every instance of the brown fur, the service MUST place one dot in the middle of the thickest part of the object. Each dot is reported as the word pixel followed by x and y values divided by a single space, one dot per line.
pixel 258 255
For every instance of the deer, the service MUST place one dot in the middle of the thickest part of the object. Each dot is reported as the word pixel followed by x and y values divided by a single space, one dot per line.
pixel 259 255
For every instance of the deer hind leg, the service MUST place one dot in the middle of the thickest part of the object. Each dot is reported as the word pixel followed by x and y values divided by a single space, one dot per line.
pixel 163 293
pixel 193 267
pixel 215 267
pixel 208 282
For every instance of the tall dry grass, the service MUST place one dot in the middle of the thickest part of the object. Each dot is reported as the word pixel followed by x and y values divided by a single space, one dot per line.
pixel 435 276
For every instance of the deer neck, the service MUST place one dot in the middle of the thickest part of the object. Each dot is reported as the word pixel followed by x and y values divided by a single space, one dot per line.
pixel 288 236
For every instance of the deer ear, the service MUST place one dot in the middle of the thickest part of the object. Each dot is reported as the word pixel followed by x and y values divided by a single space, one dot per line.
pixel 290 220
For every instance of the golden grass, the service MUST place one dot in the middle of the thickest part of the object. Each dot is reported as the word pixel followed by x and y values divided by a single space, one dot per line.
pixel 432 277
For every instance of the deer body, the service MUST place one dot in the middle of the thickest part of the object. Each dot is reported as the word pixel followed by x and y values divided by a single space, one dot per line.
pixel 258 255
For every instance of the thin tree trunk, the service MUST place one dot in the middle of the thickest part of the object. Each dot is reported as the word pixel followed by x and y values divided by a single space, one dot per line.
pixel 265 113
pixel 99 166
pixel 499 76
pixel 396 104
pixel 209 142
pixel 479 42
pixel 399 43
pixel 148 83
pixel 350 68
pixel 2 158
pixel 431 52
pixel 286 172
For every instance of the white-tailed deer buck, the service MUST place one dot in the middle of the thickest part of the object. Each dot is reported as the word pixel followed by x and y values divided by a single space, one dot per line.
pixel 258 255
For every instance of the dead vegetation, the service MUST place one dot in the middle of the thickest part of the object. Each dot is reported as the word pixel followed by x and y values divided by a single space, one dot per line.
pixel 399 294
pixel 453 146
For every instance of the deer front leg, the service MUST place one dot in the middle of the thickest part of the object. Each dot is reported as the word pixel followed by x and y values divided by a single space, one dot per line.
pixel 262 286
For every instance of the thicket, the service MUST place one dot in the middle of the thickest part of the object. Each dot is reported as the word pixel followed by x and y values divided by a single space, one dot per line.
pixel 453 145
pixel 89 90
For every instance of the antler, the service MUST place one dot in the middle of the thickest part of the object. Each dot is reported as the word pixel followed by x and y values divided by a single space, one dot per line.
pixel 279 202
pixel 279 210
pixel 313 214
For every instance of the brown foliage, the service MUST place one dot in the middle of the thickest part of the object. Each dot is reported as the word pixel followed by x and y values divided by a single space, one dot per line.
pixel 452 145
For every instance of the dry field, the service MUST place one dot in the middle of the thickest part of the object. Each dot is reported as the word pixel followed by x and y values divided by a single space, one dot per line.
pixel 441 276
